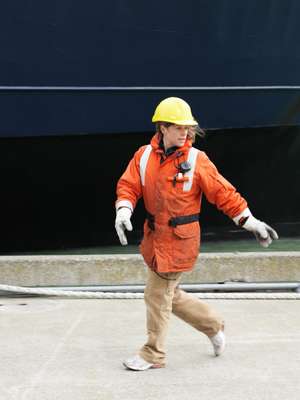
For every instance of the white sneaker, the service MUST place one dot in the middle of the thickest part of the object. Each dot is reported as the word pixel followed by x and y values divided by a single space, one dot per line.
pixel 137 363
pixel 218 341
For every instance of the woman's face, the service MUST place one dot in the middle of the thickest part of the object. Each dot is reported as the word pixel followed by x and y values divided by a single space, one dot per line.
pixel 174 135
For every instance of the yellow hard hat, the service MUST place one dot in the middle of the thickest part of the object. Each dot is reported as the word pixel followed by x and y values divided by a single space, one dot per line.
pixel 174 110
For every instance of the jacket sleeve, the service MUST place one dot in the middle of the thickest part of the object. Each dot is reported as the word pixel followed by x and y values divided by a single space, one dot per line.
pixel 217 189
pixel 129 188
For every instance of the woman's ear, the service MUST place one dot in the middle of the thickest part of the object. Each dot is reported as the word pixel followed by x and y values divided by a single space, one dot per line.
pixel 162 129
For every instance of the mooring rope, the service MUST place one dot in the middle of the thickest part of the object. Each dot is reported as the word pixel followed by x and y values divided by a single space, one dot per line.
pixel 117 295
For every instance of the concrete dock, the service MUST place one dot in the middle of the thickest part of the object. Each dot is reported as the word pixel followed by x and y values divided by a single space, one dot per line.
pixel 57 349
pixel 61 349
pixel 119 269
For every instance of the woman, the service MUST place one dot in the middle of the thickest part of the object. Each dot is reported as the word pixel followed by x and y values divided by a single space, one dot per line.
pixel 171 176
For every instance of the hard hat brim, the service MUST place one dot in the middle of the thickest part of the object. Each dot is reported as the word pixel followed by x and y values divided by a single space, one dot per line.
pixel 183 122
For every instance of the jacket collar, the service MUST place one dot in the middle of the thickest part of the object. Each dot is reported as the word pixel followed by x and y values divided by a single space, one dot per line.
pixel 156 145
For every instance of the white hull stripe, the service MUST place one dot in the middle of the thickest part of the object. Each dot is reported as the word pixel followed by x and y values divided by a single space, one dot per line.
pixel 192 157
pixel 143 163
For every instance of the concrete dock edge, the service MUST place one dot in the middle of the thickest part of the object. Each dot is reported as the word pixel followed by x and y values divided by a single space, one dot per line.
pixel 117 269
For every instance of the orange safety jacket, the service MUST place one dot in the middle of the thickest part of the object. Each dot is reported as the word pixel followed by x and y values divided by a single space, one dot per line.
pixel 171 243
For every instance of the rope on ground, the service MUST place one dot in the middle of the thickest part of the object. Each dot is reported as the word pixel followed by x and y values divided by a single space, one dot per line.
pixel 115 295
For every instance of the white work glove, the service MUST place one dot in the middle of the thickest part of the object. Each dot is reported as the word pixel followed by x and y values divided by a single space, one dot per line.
pixel 123 223
pixel 263 232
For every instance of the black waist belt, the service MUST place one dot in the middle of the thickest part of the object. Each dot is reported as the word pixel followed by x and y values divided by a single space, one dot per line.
pixel 174 221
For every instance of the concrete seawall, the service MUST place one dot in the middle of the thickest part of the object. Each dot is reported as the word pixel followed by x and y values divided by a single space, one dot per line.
pixel 64 270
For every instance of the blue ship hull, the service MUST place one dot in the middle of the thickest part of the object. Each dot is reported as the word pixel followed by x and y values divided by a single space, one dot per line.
pixel 102 68
pixel 78 86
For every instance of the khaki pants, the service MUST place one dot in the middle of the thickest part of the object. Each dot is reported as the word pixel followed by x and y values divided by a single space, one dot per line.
pixel 162 297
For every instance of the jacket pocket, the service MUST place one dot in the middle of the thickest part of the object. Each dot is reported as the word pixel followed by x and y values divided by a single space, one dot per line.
pixel 187 230
pixel 186 243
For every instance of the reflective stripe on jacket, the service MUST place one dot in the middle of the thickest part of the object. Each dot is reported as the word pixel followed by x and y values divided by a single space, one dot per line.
pixel 151 175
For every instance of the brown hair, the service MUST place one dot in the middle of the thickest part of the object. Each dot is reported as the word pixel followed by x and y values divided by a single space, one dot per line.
pixel 194 130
